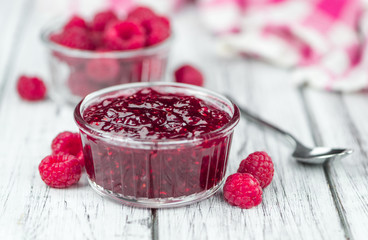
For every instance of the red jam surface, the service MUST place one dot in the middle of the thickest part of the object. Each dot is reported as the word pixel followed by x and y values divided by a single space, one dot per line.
pixel 149 114
pixel 161 172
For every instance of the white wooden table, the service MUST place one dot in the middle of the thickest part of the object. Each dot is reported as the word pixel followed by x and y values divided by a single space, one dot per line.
pixel 303 202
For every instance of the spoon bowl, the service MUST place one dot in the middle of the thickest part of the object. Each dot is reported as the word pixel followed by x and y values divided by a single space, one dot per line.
pixel 318 155
pixel 315 155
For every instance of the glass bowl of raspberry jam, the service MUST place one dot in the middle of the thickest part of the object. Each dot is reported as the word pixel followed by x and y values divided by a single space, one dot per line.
pixel 156 145
pixel 76 72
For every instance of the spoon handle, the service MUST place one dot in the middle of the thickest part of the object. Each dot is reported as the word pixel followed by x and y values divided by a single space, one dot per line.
pixel 252 117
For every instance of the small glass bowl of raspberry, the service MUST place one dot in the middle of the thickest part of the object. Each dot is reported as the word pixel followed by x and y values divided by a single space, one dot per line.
pixel 85 56
pixel 156 145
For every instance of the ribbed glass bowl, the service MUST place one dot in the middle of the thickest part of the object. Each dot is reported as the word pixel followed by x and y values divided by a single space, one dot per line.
pixel 156 173
pixel 75 73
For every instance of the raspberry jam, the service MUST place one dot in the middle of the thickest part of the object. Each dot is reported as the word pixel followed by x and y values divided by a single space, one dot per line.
pixel 148 114
pixel 156 146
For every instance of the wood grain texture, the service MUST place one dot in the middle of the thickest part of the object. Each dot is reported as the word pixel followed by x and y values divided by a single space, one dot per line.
pixel 341 120
pixel 296 203
pixel 11 26
pixel 29 209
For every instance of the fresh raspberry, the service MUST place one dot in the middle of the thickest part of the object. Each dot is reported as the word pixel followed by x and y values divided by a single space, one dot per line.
pixel 74 38
pixel 97 39
pixel 164 20
pixel 68 143
pixel 101 19
pixel 260 165
pixel 80 158
pixel 31 88
pixel 80 85
pixel 60 171
pixel 103 70
pixel 76 21
pixel 124 36
pixel 242 190
pixel 190 75
pixel 157 30
pixel 140 14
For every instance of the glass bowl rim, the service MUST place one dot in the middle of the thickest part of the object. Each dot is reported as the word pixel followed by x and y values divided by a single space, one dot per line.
pixel 57 25
pixel 115 137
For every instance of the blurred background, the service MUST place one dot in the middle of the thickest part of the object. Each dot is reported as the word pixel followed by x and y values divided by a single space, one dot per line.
pixel 321 42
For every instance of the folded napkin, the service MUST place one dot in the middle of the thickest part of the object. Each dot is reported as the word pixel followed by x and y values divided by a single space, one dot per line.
pixel 319 39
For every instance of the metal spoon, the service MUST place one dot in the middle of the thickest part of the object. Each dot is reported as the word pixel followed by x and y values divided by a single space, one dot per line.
pixel 316 155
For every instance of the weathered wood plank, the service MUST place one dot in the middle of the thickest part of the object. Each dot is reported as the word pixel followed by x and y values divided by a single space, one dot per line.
pixel 11 16
pixel 292 204
pixel 29 209
pixel 298 204
pixel 341 120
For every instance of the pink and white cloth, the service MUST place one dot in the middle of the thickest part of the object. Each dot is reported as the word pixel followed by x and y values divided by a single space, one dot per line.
pixel 161 6
pixel 320 39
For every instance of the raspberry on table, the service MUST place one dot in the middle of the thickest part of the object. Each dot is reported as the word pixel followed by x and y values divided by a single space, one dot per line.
pixel 124 36
pixel 76 21
pixel 60 171
pixel 260 165
pixel 242 190
pixel 102 19
pixel 140 14
pixel 31 88
pixel 68 143
pixel 189 74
